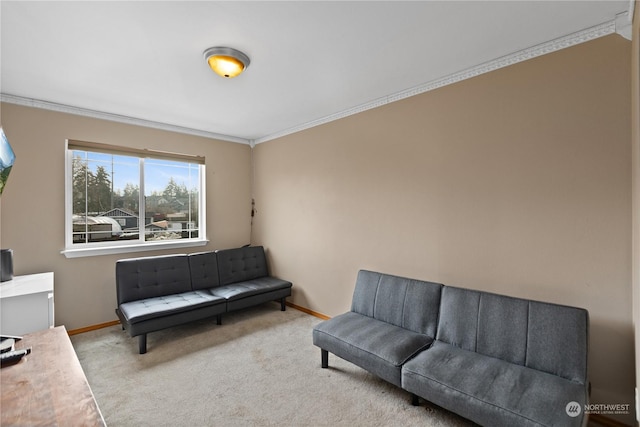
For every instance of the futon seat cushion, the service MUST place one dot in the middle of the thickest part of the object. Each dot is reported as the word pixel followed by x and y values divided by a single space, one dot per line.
pixel 249 288
pixel 373 344
pixel 150 308
pixel 546 337
pixel 477 387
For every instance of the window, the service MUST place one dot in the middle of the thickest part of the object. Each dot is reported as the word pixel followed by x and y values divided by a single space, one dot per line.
pixel 124 200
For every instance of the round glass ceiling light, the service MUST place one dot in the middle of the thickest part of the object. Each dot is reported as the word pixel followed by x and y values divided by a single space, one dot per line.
pixel 226 61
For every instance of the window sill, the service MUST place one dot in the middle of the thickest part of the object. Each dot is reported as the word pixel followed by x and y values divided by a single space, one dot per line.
pixel 122 249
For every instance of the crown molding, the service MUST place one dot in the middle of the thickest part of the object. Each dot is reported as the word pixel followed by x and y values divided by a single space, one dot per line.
pixel 573 39
pixel 61 108
pixel 624 23
pixel 504 61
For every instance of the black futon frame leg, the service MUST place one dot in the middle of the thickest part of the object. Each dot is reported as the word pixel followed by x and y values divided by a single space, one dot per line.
pixel 219 319
pixel 283 306
pixel 415 400
pixel 142 343
pixel 325 358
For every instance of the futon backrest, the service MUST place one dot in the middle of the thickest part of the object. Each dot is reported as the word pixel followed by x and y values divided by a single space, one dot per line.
pixel 240 264
pixel 410 304
pixel 204 270
pixel 139 278
pixel 543 336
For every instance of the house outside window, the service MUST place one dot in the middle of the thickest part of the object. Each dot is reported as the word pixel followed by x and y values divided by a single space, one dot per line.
pixel 124 200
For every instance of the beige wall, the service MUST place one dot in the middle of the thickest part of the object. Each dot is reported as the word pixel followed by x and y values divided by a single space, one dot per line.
pixel 517 181
pixel 32 204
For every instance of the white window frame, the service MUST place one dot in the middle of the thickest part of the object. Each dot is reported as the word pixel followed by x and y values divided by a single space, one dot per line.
pixel 76 250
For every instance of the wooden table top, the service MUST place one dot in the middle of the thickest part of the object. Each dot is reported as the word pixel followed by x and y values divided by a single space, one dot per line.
pixel 47 387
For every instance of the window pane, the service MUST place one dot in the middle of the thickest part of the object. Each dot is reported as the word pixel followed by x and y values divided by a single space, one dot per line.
pixel 105 197
pixel 172 192
pixel 119 199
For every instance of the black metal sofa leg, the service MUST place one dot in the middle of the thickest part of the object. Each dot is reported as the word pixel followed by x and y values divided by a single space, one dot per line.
pixel 415 400
pixel 219 319
pixel 325 358
pixel 142 343
pixel 283 306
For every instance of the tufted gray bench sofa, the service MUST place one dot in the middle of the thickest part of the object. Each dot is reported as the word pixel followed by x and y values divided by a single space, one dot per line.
pixel 494 359
pixel 159 292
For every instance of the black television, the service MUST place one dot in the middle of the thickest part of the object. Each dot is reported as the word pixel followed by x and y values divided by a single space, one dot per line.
pixel 7 157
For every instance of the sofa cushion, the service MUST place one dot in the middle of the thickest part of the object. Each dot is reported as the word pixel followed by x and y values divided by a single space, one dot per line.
pixel 148 277
pixel 249 288
pixel 204 270
pixel 491 391
pixel 407 303
pixel 151 308
pixel 544 336
pixel 494 325
pixel 240 264
pixel 354 336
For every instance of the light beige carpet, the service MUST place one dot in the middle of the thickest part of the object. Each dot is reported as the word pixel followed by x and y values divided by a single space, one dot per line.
pixel 259 368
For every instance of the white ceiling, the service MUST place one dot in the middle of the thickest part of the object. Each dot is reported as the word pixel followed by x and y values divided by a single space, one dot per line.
pixel 311 62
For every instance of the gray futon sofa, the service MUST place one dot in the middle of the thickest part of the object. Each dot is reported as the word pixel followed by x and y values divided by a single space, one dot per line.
pixel 158 292
pixel 494 359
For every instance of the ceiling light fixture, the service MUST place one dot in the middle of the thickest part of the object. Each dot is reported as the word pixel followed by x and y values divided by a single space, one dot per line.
pixel 226 61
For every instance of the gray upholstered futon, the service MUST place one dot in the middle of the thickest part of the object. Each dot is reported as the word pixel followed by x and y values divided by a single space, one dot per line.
pixel 494 359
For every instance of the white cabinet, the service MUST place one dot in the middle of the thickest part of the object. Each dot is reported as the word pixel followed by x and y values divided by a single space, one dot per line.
pixel 26 304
